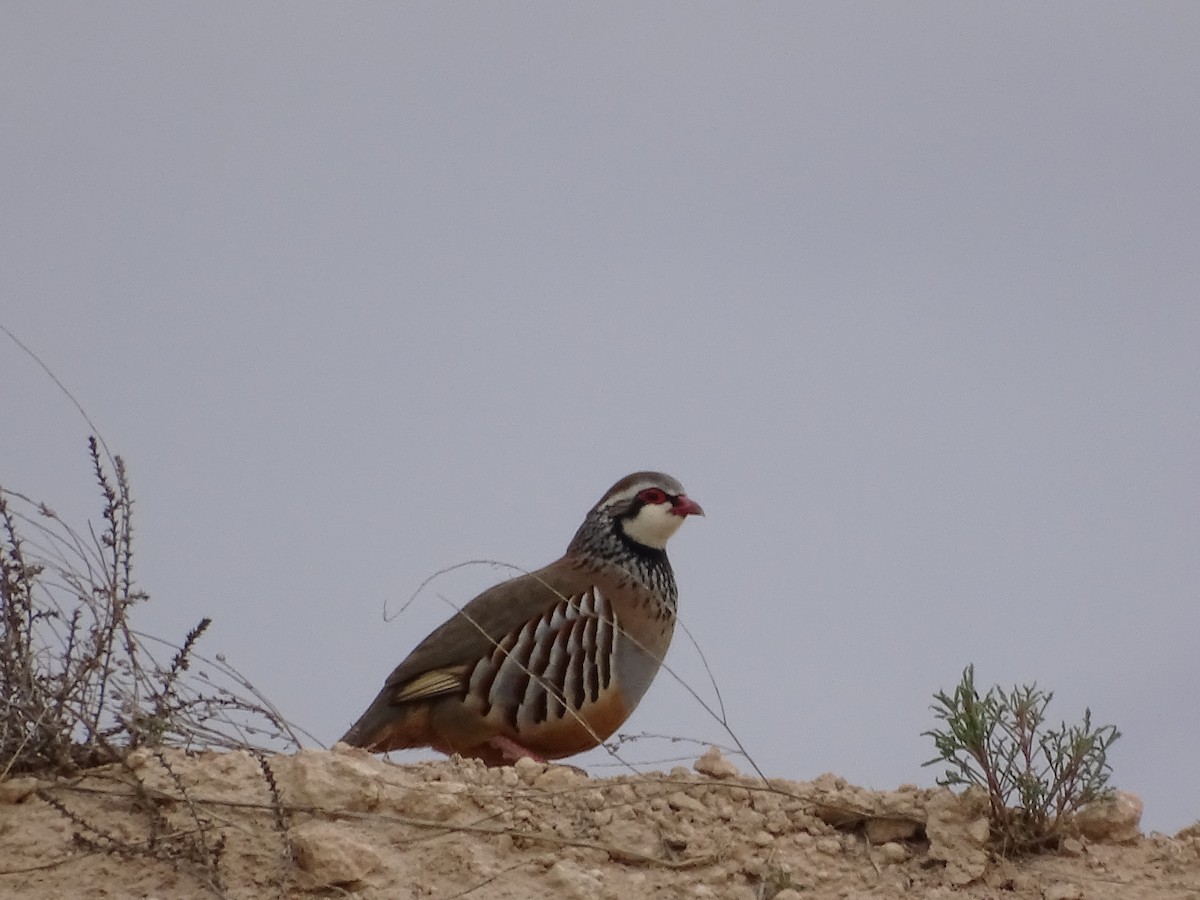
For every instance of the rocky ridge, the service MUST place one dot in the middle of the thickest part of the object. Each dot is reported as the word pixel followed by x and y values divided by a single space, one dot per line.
pixel 342 823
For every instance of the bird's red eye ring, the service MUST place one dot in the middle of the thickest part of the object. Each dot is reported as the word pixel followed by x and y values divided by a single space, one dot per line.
pixel 653 496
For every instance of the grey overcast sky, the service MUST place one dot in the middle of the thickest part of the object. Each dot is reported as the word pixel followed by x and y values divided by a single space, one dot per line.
pixel 904 293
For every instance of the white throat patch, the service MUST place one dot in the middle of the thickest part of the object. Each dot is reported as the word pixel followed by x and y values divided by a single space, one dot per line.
pixel 653 525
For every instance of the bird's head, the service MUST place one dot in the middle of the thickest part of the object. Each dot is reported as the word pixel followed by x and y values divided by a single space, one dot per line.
pixel 648 507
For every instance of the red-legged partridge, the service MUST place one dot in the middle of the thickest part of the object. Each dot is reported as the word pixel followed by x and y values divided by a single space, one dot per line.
pixel 551 663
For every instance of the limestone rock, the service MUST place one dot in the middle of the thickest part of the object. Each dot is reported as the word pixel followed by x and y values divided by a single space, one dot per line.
pixel 881 831
pixel 332 856
pixel 1115 819
pixel 1065 890
pixel 15 790
pixel 627 838
pixel 714 765
pixel 528 769
pixel 558 778
pixel 681 802
pixel 957 827
pixel 571 880
pixel 335 780
pixel 1191 832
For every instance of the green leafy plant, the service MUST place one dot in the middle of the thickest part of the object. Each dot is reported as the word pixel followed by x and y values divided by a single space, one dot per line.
pixel 1035 777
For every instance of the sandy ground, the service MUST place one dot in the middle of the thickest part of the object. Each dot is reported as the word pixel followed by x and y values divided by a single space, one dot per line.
pixel 343 824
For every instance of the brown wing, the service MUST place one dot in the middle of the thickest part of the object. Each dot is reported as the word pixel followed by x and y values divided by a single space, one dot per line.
pixel 439 663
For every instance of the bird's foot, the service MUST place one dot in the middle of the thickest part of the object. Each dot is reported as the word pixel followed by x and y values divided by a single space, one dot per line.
pixel 510 751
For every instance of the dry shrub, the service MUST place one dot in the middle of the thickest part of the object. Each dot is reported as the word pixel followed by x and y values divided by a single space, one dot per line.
pixel 80 686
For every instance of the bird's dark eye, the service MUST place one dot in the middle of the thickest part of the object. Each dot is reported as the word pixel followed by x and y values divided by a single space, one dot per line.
pixel 653 496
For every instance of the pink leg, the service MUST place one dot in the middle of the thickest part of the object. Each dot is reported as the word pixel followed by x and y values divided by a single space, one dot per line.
pixel 511 751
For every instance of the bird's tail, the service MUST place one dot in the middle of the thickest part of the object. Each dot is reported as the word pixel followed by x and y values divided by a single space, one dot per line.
pixel 387 725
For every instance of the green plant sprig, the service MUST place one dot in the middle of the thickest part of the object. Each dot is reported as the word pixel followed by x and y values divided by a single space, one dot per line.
pixel 1035 778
